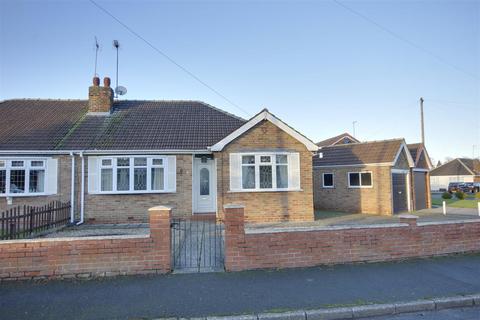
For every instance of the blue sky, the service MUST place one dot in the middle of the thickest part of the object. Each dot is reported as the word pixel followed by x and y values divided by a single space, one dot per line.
pixel 315 64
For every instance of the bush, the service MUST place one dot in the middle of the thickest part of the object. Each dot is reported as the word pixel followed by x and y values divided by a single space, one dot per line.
pixel 446 195
pixel 477 195
pixel 459 195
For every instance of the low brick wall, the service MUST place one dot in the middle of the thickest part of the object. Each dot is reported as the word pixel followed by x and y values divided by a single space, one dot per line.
pixel 90 256
pixel 304 247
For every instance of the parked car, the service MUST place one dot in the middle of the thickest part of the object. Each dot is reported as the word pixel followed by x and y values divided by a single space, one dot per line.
pixel 469 187
pixel 454 187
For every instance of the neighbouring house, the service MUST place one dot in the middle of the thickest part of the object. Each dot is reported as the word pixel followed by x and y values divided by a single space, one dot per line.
pixel 343 138
pixel 114 159
pixel 420 176
pixel 456 170
pixel 367 177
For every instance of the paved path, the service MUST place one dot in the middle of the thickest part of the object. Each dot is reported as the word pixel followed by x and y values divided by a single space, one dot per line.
pixel 243 292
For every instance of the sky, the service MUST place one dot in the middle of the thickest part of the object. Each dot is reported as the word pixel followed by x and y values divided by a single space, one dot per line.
pixel 317 65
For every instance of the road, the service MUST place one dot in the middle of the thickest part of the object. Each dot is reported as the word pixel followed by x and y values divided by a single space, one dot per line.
pixel 243 292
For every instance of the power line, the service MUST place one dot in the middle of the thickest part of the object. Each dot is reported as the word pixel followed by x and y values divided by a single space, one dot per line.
pixel 184 69
pixel 411 43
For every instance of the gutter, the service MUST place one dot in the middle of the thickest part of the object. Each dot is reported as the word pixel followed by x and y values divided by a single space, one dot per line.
pixel 103 152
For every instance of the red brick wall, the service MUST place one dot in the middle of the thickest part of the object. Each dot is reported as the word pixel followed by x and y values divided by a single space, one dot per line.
pixel 310 248
pixel 90 257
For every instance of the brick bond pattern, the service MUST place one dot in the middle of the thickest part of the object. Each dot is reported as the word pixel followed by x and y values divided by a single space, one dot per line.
pixel 267 206
pixel 90 257
pixel 310 248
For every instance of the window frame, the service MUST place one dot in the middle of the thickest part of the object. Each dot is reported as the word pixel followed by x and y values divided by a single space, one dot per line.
pixel 273 163
pixel 360 186
pixel 131 167
pixel 26 167
pixel 333 180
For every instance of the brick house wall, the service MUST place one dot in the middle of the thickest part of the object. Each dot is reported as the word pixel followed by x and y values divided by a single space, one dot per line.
pixel 374 200
pixel 121 208
pixel 267 206
pixel 63 187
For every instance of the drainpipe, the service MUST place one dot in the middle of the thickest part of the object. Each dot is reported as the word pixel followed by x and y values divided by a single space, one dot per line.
pixel 72 198
pixel 82 190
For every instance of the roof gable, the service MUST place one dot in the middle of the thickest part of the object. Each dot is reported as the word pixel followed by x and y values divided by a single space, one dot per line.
pixel 458 166
pixel 420 155
pixel 264 115
pixel 340 139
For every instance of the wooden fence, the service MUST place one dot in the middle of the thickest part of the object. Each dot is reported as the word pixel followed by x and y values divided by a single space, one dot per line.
pixel 25 221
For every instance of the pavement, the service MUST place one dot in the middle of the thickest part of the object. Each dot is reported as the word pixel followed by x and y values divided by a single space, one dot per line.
pixel 449 314
pixel 206 294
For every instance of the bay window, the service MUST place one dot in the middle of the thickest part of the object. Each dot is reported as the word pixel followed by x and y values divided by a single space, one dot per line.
pixel 133 174
pixel 27 176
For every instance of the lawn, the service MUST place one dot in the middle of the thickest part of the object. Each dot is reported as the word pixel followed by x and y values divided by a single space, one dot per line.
pixel 467 203
pixel 320 214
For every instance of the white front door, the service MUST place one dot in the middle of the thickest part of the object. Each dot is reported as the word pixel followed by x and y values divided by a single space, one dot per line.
pixel 204 186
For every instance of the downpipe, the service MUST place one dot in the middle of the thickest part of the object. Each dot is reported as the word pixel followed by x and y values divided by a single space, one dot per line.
pixel 82 190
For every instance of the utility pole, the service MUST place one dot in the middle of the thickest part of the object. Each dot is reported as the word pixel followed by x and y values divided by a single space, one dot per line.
pixel 353 124
pixel 422 121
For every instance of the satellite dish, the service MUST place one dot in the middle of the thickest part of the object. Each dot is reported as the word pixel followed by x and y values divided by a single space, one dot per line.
pixel 120 90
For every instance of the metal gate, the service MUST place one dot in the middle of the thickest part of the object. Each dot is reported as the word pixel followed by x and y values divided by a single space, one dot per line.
pixel 197 245
pixel 419 180
pixel 400 197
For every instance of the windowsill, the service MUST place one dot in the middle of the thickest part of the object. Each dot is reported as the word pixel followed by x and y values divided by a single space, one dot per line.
pixel 130 192
pixel 265 190
pixel 13 195
pixel 360 187
pixel 328 187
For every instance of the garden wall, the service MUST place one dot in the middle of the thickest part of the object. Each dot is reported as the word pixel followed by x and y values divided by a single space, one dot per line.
pixel 304 247
pixel 90 256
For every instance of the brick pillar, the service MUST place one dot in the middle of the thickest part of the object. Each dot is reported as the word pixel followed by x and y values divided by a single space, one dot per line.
pixel 410 219
pixel 428 191
pixel 234 235
pixel 160 217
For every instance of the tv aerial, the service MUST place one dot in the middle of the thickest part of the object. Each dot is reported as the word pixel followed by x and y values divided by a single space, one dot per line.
pixel 119 90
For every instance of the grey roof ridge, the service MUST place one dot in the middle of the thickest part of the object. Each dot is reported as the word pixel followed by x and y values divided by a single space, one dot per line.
pixel 363 142
pixel 41 99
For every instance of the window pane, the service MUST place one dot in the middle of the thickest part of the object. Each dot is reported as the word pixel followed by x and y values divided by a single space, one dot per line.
pixel 37 181
pixel 354 179
pixel 248 177
pixel 265 159
pixel 123 179
pixel 140 179
pixel 366 179
pixel 204 182
pixel 157 179
pixel 3 181
pixel 2 163
pixel 282 176
pixel 17 163
pixel 282 158
pixel 265 177
pixel 140 162
pixel 106 162
pixel 248 159
pixel 17 181
pixel 36 163
pixel 157 162
pixel 106 180
pixel 123 162
pixel 328 180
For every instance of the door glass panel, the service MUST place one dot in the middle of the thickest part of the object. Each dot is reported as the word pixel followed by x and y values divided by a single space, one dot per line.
pixel 204 182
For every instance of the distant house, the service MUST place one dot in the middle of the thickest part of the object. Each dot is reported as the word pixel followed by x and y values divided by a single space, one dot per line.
pixel 420 181
pixel 456 170
pixel 114 159
pixel 368 177
pixel 343 138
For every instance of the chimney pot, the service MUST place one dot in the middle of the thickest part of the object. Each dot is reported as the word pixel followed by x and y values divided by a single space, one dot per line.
pixel 106 82
pixel 96 81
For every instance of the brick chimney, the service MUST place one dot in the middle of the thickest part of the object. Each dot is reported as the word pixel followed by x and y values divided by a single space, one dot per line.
pixel 100 99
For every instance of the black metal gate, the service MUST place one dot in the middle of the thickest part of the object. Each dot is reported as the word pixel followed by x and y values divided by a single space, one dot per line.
pixel 197 245
pixel 400 197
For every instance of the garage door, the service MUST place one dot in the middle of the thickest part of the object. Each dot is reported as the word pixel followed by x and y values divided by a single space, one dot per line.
pixel 400 198
pixel 420 190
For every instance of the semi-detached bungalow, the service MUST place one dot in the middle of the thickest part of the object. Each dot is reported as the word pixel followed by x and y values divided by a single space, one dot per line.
pixel 114 159
pixel 456 170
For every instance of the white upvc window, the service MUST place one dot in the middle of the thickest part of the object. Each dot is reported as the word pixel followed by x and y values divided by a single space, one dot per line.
pixel 328 180
pixel 132 174
pixel 275 171
pixel 28 176
pixel 361 179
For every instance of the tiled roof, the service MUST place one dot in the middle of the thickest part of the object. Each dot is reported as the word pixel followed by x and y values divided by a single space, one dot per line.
pixel 458 166
pixel 37 124
pixel 133 125
pixel 362 153
pixel 333 140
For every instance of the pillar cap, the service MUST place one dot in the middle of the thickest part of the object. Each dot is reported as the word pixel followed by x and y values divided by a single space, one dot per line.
pixel 158 208
pixel 234 206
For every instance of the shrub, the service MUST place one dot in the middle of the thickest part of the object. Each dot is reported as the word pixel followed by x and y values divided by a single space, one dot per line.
pixel 446 195
pixel 460 195
pixel 477 195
